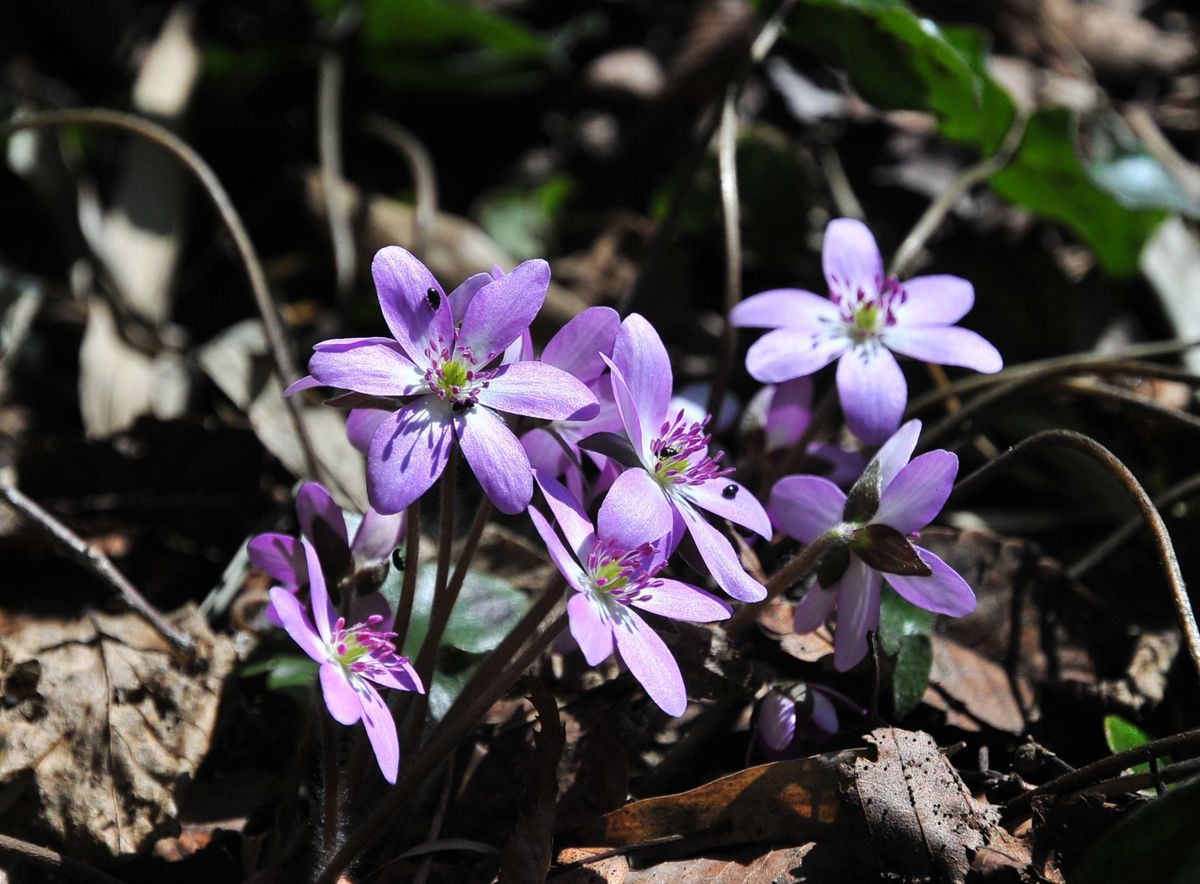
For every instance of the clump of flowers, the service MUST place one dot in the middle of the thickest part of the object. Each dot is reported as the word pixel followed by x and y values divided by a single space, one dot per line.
pixel 867 316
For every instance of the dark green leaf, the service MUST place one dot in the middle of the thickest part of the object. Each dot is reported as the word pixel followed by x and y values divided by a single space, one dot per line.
pixel 910 675
pixel 886 549
pixel 863 500
pixel 1156 842
pixel 899 618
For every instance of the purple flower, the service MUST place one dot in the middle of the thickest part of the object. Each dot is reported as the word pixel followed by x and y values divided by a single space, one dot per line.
pixel 449 377
pixel 353 660
pixel 804 708
pixel 891 503
pixel 612 567
pixel 675 476
pixel 782 413
pixel 866 316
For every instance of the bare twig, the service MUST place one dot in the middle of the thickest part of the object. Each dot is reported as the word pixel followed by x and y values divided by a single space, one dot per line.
pixel 56 862
pixel 731 225
pixel 220 200
pixel 420 165
pixel 75 547
pixel 1100 454
pixel 1156 776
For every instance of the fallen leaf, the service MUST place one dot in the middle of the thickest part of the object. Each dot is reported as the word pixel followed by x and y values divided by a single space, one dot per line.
pixel 777 866
pixel 973 691
pixel 115 729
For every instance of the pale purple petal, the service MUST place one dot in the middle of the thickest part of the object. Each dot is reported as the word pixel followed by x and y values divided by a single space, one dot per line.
pixel 408 452
pixel 403 284
pixel 399 677
pixel 370 605
pixel 381 730
pixel 314 502
pixel 844 466
pixel 823 713
pixel 318 596
pixel 376 537
pixel 280 556
pixel 914 498
pixel 895 453
pixel 858 613
pixel 520 350
pixel 563 560
pixel 536 389
pixel 544 452
pixel 635 511
pixel 789 413
pixel 805 507
pixel 850 258
pixel 340 698
pixel 692 399
pixel 650 662
pixel 590 629
pixel 640 355
pixel 292 618
pixel 370 368
pixel 721 559
pixel 730 500
pixel 943 591
pixel 569 513
pixel 682 601
pixel 577 346
pixel 305 383
pixel 462 296
pixel 503 308
pixel 361 424
pixel 785 308
pixel 640 434
pixel 935 300
pixel 943 345
pixel 872 391
pixel 785 353
pixel 777 721
pixel 814 608
pixel 496 458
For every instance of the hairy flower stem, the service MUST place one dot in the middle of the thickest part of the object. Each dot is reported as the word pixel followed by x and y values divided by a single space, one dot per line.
pixel 1097 452
pixel 329 780
pixel 790 574
pixel 473 702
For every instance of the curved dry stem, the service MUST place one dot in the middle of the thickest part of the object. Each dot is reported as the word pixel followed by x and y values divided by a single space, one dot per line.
pixel 331 71
pixel 56 862
pixel 1093 449
pixel 211 185
pixel 420 165
pixel 731 227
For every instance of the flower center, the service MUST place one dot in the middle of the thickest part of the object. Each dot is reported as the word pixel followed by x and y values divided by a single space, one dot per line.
pixel 453 376
pixel 865 313
pixel 363 650
pixel 619 577
pixel 681 453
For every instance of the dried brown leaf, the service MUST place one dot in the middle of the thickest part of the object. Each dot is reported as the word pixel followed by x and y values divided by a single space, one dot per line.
pixel 973 691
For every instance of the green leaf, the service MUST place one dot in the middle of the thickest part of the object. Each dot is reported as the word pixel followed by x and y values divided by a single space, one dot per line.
pixel 1122 735
pixel 287 673
pixel 899 618
pixel 910 676
pixel 1155 842
pixel 522 219
pixel 1047 177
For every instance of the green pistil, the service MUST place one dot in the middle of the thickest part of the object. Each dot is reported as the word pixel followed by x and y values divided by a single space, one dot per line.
pixel 866 318
pixel 354 651
pixel 669 467
pixel 610 572
pixel 454 374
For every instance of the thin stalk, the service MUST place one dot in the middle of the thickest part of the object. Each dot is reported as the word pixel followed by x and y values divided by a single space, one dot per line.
pixel 75 547
pixel 211 185
pixel 731 227
pixel 408 588
pixel 329 780
pixel 54 861
pixel 1108 460
pixel 1157 777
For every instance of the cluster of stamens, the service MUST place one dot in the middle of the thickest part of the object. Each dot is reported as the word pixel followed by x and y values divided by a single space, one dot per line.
pixel 624 576
pixel 681 453
pixel 864 312
pixel 364 650
pixel 452 374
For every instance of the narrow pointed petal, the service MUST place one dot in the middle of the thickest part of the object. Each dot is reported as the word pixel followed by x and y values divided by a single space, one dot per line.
pixel 635 511
pixel 777 721
pixel 721 559
pixel 496 458
pixel 943 592
pixel 918 493
pixel 577 346
pixel 293 619
pixel 640 355
pixel 569 513
pixel 682 601
pixel 280 556
pixel 407 454
pixel 873 393
pixel 308 382
pixel 403 284
pixel 784 308
pixel 639 429
pixel 520 350
pixel 340 699
pixel 465 293
pixel 544 452
pixel 361 424
pixel 936 300
pixel 313 502
pixel 944 345
pixel 813 610
pixel 858 614
pixel 896 452
pixel 785 353
pixel 850 257
pixel 789 412
pixel 381 731
pixel 651 663
pixel 563 560
pixel 741 507
pixel 403 678
pixel 536 389
pixel 590 629
pixel 376 537
pixel 805 507
pixel 503 308
pixel 376 369
pixel 318 595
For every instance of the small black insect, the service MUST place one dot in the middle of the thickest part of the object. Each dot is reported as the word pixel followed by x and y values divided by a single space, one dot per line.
pixel 433 299
pixel 397 560
pixel 667 452
pixel 460 406
pixel 729 492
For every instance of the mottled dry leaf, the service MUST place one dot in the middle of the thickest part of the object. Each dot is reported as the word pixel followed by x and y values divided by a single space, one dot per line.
pixel 607 870
pixel 973 691
pixel 114 729
pixel 776 866
pixel 776 620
